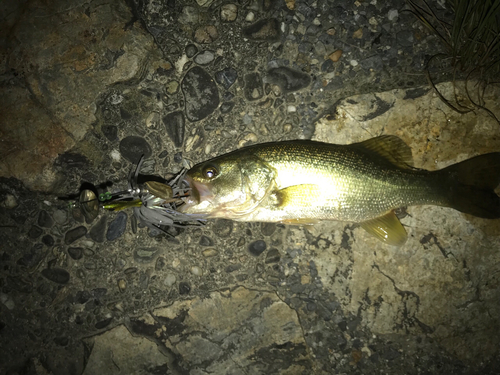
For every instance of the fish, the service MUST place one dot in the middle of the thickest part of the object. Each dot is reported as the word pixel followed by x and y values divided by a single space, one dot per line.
pixel 303 182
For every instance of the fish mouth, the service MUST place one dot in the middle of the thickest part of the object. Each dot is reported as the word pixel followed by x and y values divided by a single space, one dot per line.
pixel 198 193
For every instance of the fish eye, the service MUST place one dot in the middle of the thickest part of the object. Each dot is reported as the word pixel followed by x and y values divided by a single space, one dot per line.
pixel 210 171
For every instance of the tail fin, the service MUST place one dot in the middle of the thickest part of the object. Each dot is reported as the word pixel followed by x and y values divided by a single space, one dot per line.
pixel 472 185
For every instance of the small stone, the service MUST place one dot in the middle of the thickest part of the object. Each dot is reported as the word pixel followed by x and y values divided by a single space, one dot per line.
pixel 204 58
pixel 331 31
pixel 206 241
pixel 204 3
pixel 117 227
pixel 257 247
pixel 267 229
pixel 405 38
pixel 226 77
pixel 358 34
pixel 247 139
pixel 45 220
pixel 60 217
pixel 172 87
pixel 253 86
pixel 226 107
pixel 206 34
pixel 273 256
pixel 233 267
pixel 145 255
pixel 103 323
pixel 290 4
pixel 250 17
pixel 201 94
pixel 335 56
pixel 48 240
pixel 195 270
pixel 122 284
pixel 34 232
pixel 287 128
pixel 75 253
pixel 9 201
pixel 190 15
pixel 393 15
pixel 228 12
pixel 74 234
pixel 56 275
pixel 7 301
pixel 208 253
pixel 353 63
pixel 169 280
pixel 267 29
pixel 223 227
pixel 110 132
pixel 287 79
pixel 184 288
pixel 191 50
pixel 175 126
pixel 98 231
pixel 133 147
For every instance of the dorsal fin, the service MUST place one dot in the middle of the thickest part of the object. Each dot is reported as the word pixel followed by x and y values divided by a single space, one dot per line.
pixel 389 147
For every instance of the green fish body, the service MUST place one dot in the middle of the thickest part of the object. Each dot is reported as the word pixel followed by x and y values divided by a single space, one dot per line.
pixel 303 182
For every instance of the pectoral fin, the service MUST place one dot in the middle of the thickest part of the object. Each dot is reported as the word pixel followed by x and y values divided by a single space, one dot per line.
pixel 386 228
pixel 298 195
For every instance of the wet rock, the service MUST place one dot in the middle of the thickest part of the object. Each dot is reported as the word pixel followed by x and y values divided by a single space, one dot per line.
pixel 267 30
pixel 287 79
pixel 48 240
pixel 175 125
pixel 204 58
pixel 228 12
pixel 201 94
pixel 184 288
pixel 145 255
pixel 226 107
pixel 257 247
pixel 267 229
pixel 98 231
pixel 75 253
pixel 57 275
pixel 110 132
pixel 273 256
pixel 226 77
pixel 44 219
pixel 35 232
pixel 74 234
pixel 253 86
pixel 191 50
pixel 223 228
pixel 206 241
pixel 60 217
pixel 117 227
pixel 133 147
pixel 206 34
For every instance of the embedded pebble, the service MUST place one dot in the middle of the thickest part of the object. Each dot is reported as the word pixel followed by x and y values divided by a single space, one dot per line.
pixel 226 107
pixel 272 256
pixel 253 86
pixel 223 227
pixel 267 29
pixel 204 58
pixel 34 232
pixel 191 50
pixel 56 275
pixel 195 270
pixel 287 79
pixel 117 227
pixel 189 15
pixel 250 17
pixel 184 288
pixel 267 229
pixel 206 34
pixel 228 12
pixel 405 38
pixel 60 217
pixel 98 231
pixel 208 253
pixel 110 132
pixel 204 3
pixel 257 247
pixel 226 77
pixel 175 126
pixel 7 301
pixel 201 94
pixel 133 147
pixel 287 128
pixel 248 138
pixel 74 234
pixel 145 255
pixel 10 201
pixel 48 240
pixel 172 87
pixel 353 63
pixel 232 268
pixel 206 241
pixel 45 220
pixel 75 252
pixel 122 284
pixel 392 15
pixel 335 56
pixel 170 280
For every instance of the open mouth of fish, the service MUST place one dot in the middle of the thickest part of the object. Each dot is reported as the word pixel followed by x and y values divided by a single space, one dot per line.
pixel 198 194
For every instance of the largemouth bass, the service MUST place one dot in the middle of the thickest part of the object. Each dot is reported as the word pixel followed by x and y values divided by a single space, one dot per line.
pixel 303 182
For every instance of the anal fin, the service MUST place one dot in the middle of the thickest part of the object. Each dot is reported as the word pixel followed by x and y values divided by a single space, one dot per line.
pixel 386 228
